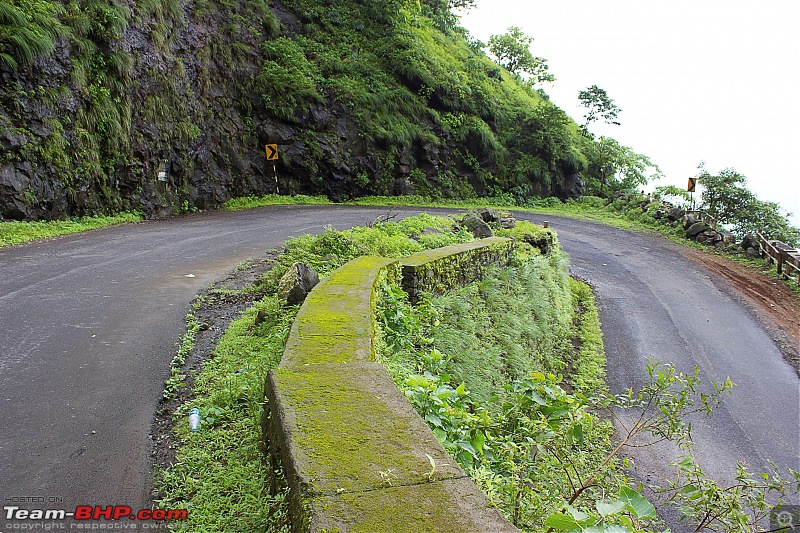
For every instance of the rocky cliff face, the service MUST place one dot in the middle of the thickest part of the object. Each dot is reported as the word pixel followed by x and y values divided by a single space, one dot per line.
pixel 166 106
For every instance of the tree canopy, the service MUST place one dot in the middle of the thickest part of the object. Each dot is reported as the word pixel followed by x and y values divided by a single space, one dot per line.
pixel 598 105
pixel 618 167
pixel 726 196
pixel 513 52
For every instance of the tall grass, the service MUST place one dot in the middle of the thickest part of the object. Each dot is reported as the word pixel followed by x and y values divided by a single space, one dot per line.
pixel 29 30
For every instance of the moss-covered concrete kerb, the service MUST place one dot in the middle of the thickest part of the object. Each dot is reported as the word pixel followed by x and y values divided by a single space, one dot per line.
pixel 436 271
pixel 356 455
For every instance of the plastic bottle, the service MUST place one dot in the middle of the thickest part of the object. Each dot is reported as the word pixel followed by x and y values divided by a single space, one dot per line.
pixel 194 419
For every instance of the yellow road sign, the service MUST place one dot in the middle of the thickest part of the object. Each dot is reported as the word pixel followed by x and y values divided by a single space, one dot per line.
pixel 692 184
pixel 272 151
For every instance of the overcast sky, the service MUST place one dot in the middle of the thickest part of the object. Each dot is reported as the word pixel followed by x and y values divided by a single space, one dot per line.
pixel 702 80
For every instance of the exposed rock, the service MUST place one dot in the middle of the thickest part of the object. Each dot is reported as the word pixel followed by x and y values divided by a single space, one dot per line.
pixel 508 222
pixel 13 185
pixel 403 187
pixel 728 238
pixel 504 220
pixel 544 243
pixel 488 215
pixel 688 220
pixel 297 283
pixel 753 252
pixel 749 241
pixel 709 237
pixel 676 213
pixel 572 186
pixel 476 226
pixel 695 229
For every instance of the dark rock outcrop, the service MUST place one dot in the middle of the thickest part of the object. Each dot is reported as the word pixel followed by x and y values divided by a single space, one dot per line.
pixel 298 281
pixel 695 229
pixel 476 226
pixel 675 213
pixel 170 110
pixel 571 187
pixel 544 242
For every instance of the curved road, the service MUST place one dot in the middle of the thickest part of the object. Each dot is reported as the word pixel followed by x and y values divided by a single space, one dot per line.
pixel 88 325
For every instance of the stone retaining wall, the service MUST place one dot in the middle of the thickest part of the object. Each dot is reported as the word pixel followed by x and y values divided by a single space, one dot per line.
pixel 438 270
pixel 353 450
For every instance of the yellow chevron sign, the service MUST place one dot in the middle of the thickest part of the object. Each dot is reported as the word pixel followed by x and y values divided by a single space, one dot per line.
pixel 692 184
pixel 272 152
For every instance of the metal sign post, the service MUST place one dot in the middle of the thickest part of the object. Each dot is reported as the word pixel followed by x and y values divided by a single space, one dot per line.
pixel 691 187
pixel 272 155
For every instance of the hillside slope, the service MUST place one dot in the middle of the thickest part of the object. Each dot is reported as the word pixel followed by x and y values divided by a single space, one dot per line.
pixel 165 106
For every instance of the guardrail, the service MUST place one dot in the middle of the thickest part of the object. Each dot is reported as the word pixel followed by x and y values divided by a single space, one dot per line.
pixel 786 258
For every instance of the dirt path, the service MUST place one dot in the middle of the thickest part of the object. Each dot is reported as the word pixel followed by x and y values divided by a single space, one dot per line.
pixel 774 304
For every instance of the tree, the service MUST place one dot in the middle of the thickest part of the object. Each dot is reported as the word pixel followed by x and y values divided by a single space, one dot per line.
pixel 726 196
pixel 512 50
pixel 598 106
pixel 609 159
pixel 441 12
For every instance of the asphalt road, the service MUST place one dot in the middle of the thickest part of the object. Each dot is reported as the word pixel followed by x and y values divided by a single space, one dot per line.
pixel 88 325
pixel 657 305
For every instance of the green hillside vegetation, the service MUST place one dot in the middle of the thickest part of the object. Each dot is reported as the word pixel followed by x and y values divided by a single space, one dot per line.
pixel 378 97
pixel 413 86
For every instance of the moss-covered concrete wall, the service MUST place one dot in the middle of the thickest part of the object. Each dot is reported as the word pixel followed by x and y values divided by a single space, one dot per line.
pixel 356 455
pixel 436 271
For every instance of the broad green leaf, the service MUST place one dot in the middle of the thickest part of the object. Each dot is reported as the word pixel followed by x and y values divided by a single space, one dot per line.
pixel 434 419
pixel 467 445
pixel 579 515
pixel 417 381
pixel 537 398
pixel 478 440
pixel 562 522
pixel 461 390
pixel 636 503
pixel 610 508
pixel 577 434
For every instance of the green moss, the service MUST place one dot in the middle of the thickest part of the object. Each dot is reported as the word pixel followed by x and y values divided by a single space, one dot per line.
pixel 432 507
pixel 428 256
pixel 436 271
pixel 334 324
pixel 347 431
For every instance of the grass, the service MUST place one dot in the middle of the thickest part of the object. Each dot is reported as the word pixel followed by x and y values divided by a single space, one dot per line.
pixel 471 360
pixel 219 475
pixel 620 215
pixel 249 202
pixel 20 232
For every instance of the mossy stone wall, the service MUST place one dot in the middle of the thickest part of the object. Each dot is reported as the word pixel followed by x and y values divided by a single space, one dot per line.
pixel 356 455
pixel 436 271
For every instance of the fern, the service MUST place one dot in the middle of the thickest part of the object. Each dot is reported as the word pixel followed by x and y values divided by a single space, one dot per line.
pixel 11 16
pixel 29 32
pixel 8 61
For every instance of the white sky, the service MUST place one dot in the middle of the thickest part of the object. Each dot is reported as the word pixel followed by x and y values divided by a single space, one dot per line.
pixel 702 80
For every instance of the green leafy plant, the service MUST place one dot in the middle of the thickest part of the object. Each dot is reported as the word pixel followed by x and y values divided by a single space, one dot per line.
pixel 745 505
